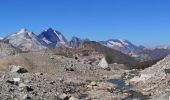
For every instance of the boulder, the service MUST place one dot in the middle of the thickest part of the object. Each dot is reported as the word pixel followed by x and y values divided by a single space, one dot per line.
pixel 17 69
pixel 103 63
pixel 16 79
pixel 64 96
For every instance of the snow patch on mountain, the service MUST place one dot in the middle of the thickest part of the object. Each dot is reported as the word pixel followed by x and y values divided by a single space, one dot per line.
pixel 121 45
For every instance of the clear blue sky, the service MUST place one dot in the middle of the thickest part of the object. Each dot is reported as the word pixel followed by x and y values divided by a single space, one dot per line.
pixel 145 22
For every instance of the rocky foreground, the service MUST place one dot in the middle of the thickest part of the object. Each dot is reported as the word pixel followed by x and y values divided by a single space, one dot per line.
pixel 71 79
pixel 55 77
pixel 18 84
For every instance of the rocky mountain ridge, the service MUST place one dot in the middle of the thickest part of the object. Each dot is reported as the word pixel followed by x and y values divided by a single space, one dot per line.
pixel 50 38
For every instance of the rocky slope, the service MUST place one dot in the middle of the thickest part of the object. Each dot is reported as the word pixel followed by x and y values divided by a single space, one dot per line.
pixel 152 54
pixel 7 50
pixel 155 80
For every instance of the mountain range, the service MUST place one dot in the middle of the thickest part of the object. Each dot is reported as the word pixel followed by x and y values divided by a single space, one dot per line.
pixel 50 38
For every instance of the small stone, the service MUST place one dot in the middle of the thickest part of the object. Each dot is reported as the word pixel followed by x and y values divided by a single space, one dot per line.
pixel 71 68
pixel 39 74
pixel 22 85
pixel 51 57
pixel 28 88
pixel 16 79
pixel 64 97
pixel 108 69
pixel 146 93
pixel 93 83
pixel 73 98
pixel 26 97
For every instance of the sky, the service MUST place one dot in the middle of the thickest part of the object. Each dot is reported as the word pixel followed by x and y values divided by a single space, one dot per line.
pixel 143 22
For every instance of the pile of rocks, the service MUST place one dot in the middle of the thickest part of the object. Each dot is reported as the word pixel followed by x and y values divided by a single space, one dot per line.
pixel 154 81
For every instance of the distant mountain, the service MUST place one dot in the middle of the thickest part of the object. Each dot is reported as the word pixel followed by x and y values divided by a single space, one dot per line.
pixel 25 41
pixel 53 38
pixel 140 53
pixel 75 42
pixel 162 47
pixel 124 46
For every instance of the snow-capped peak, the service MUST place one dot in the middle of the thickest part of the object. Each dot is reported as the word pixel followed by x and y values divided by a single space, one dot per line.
pixel 124 42
pixel 118 42
pixel 121 45
pixel 22 31
pixel 25 40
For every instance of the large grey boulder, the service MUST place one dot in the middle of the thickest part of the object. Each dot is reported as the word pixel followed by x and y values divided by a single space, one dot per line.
pixel 103 63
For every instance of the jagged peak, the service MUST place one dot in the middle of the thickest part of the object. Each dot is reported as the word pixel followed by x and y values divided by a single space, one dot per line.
pixel 50 29
pixel 23 31
pixel 75 38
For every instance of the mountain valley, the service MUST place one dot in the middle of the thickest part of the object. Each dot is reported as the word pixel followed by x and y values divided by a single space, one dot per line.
pixel 50 67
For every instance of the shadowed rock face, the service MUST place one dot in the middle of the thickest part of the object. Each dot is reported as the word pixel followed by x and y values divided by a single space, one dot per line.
pixel 53 38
